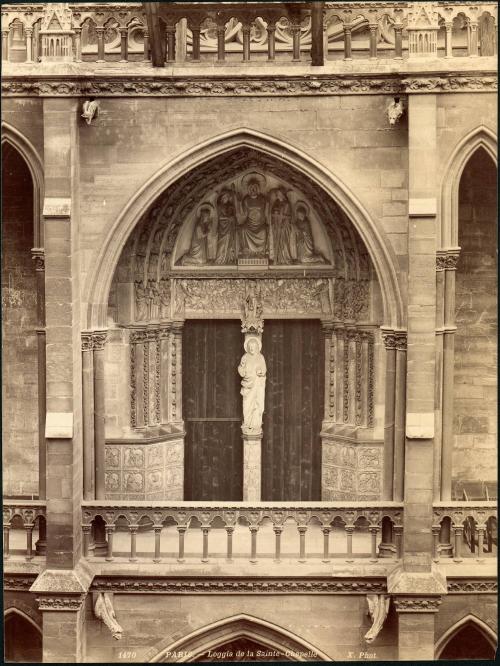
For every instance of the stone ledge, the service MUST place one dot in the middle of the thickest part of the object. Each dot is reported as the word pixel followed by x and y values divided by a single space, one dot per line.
pixel 408 583
pixel 75 581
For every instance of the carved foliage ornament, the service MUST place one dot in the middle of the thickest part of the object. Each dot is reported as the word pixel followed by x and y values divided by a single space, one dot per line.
pixel 417 604
pixel 61 603
pixel 249 87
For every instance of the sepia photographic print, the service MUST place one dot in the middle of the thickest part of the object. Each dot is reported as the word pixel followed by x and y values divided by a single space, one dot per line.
pixel 249 326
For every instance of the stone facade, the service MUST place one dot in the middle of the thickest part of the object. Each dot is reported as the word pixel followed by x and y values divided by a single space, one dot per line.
pixel 345 182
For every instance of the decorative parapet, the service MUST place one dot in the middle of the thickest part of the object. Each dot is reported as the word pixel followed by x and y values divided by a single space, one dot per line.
pixel 422 27
pixel 105 31
pixel 56 33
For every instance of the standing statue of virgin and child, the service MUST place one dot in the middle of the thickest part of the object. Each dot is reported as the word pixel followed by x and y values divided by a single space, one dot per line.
pixel 252 370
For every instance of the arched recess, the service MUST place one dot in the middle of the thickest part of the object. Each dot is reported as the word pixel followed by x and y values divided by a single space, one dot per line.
pixel 12 136
pixel 22 309
pixel 22 637
pixel 481 136
pixel 270 635
pixel 469 620
pixel 380 251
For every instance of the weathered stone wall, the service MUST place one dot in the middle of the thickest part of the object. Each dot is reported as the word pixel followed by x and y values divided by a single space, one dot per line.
pixel 334 624
pixel 19 351
pixel 475 413
pixel 348 134
pixel 454 607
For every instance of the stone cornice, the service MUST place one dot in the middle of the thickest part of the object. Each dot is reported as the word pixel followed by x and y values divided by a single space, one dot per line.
pixel 60 603
pixel 472 585
pixel 238 585
pixel 110 85
pixel 417 604
pixel 18 583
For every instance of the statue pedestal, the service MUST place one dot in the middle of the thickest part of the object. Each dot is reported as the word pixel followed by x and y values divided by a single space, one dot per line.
pixel 252 467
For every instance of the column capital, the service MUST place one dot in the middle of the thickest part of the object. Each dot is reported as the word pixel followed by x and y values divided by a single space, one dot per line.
pixel 177 325
pixel 87 344
pixel 38 256
pixel 395 339
pixel 99 339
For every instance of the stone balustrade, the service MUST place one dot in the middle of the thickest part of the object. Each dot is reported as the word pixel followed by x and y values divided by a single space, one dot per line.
pixel 284 32
pixel 194 531
pixel 462 529
pixel 28 516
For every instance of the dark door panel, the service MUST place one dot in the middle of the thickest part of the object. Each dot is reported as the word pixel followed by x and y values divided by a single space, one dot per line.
pixel 213 463
pixel 291 445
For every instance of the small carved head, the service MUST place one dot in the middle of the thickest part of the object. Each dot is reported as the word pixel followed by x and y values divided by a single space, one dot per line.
pixel 253 187
pixel 252 345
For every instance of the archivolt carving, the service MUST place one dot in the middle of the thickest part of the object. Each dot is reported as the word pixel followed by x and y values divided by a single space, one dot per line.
pixel 251 209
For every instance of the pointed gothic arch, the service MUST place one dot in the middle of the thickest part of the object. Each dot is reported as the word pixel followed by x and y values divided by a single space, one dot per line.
pixel 13 137
pixel 485 630
pixel 26 613
pixel 270 635
pixel 373 237
pixel 22 635
pixel 481 136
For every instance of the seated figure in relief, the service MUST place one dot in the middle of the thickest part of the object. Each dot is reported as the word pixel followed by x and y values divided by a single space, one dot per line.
pixel 226 229
pixel 253 230
pixel 198 252
pixel 283 231
pixel 306 252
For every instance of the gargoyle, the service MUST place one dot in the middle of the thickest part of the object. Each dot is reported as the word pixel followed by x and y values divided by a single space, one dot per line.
pixel 395 110
pixel 378 607
pixel 104 611
pixel 90 110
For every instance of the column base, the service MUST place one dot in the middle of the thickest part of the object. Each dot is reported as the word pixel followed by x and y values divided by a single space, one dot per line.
pixel 387 550
pixel 252 444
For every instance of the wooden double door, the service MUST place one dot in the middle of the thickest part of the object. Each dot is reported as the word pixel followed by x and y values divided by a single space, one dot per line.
pixel 212 404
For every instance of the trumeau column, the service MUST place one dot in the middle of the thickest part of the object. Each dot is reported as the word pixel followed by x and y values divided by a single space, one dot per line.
pixel 252 370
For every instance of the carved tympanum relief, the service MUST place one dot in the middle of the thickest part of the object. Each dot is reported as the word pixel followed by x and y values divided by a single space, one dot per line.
pixel 254 216
pixel 244 214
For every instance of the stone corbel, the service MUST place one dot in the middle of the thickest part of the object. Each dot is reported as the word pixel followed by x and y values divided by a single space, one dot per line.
pixel 104 611
pixel 378 607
